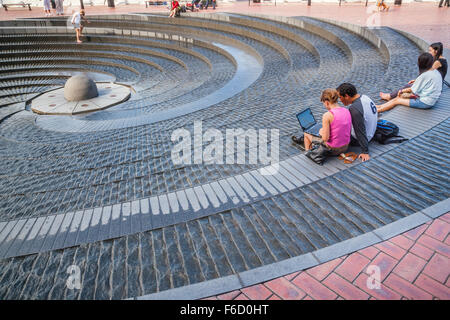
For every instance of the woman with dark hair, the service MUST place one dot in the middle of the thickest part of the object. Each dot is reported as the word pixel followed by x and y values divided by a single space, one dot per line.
pixel 425 91
pixel 440 64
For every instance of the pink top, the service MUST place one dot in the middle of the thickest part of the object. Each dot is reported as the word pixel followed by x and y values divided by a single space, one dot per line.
pixel 340 128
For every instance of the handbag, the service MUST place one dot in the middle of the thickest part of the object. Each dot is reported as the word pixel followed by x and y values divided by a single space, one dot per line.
pixel 318 153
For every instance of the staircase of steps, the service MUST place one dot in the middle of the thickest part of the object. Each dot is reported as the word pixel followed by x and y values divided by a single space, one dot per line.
pixel 112 202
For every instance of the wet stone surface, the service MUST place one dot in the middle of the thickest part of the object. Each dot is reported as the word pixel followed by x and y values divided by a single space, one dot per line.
pixel 47 172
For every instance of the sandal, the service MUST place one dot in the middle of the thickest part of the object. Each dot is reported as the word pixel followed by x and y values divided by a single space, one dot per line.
pixel 348 157
pixel 297 140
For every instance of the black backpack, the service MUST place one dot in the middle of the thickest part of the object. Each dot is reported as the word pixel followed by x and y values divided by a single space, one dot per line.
pixel 387 132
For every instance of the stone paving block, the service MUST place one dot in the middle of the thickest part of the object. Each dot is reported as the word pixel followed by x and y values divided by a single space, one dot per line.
pixel 313 288
pixel 438 268
pixel 409 267
pixel 433 287
pixel 405 288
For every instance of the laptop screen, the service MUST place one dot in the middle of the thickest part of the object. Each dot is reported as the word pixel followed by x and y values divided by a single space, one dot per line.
pixel 306 119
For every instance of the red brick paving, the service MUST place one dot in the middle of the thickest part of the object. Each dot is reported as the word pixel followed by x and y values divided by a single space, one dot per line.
pixel 414 265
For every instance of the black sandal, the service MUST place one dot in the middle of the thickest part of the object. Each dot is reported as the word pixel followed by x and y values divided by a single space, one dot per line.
pixel 297 140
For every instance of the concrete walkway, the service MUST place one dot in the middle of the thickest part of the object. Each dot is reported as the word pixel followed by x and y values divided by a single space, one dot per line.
pixel 413 265
pixel 433 26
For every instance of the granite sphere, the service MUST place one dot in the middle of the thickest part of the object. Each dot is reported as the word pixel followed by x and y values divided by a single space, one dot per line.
pixel 80 87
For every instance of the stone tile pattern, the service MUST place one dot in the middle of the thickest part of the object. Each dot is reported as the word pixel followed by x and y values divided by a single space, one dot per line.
pixel 414 265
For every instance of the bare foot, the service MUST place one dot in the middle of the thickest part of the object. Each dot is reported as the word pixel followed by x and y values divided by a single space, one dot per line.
pixel 385 96
pixel 79 41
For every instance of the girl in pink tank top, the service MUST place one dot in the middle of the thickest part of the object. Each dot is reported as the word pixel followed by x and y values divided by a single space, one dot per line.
pixel 336 125
pixel 340 127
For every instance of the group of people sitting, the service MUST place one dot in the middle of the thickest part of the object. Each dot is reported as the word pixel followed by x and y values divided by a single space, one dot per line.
pixel 176 8
pixel 356 126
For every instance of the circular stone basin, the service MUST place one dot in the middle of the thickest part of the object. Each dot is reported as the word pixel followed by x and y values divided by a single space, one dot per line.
pixel 55 103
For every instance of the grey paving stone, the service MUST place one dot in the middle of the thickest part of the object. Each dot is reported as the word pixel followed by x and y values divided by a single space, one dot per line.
pixel 197 290
pixel 116 221
pixel 83 233
pixel 105 227
pixel 345 247
pixel 20 238
pixel 278 269
pixel 32 236
pixel 211 195
pixel 219 192
pixel 136 223
pixel 201 196
pixel 402 225
pixel 145 215
pixel 41 239
pixel 72 230
pixel 94 227
pixel 9 239
pixel 125 226
pixel 437 209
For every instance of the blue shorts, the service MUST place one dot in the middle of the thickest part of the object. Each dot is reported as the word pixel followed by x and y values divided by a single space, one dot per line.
pixel 416 103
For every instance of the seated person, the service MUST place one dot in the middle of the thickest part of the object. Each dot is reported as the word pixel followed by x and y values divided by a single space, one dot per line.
pixel 175 7
pixel 208 2
pixel 364 117
pixel 197 3
pixel 425 90
pixel 440 64
pixel 336 125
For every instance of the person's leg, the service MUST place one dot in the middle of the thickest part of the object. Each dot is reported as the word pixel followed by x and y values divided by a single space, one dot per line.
pixel 214 4
pixel 207 4
pixel 308 140
pixel 393 103
pixel 417 104
pixel 440 3
pixel 77 31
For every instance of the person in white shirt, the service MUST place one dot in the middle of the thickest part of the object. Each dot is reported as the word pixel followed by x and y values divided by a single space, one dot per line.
pixel 76 22
pixel 364 117
pixel 425 91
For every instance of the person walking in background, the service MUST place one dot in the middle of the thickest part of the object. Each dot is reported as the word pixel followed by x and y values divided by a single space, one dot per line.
pixel 59 7
pixel 447 3
pixel 382 6
pixel 47 8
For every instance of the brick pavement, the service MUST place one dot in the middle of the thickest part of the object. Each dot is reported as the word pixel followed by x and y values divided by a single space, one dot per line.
pixel 413 265
pixel 433 26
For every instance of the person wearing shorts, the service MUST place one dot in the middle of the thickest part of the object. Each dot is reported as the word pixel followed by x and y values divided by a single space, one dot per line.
pixel 425 91
pixel 76 22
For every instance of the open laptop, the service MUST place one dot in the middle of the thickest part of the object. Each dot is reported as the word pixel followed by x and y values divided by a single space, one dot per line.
pixel 308 122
